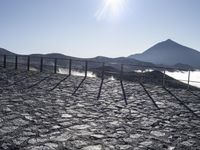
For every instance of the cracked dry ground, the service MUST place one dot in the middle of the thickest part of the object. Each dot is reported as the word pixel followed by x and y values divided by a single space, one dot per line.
pixel 34 117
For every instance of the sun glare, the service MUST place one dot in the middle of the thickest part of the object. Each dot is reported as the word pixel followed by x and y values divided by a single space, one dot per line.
pixel 110 8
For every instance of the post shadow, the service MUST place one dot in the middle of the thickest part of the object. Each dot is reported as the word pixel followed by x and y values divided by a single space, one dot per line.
pixel 65 78
pixel 121 83
pixel 86 68
pixel 102 79
pixel 146 91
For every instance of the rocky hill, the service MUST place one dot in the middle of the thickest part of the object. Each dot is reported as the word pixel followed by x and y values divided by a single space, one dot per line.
pixel 170 53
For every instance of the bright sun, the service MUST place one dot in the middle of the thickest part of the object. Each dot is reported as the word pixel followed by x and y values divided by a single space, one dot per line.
pixel 110 8
pixel 114 5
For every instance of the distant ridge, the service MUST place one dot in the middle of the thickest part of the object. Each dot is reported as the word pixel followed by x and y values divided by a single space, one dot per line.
pixel 113 62
pixel 5 52
pixel 170 53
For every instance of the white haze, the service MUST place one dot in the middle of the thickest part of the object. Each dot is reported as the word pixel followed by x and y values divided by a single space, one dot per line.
pixel 111 78
pixel 145 70
pixel 179 75
pixel 183 75
pixel 76 73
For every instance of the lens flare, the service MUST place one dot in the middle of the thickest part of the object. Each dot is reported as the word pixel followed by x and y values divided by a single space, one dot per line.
pixel 111 8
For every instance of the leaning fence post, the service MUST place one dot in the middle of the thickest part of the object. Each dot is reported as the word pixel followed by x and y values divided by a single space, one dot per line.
pixel 28 63
pixel 70 67
pixel 188 80
pixel 55 65
pixel 86 68
pixel 16 62
pixel 41 64
pixel 4 61
pixel 163 83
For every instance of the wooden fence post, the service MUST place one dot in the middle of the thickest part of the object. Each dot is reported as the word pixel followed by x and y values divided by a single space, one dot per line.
pixel 163 83
pixel 188 80
pixel 41 64
pixel 28 63
pixel 55 65
pixel 121 72
pixel 70 67
pixel 103 71
pixel 86 68
pixel 4 61
pixel 16 62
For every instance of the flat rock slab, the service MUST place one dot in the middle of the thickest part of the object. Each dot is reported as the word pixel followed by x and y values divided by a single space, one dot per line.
pixel 41 119
pixel 92 147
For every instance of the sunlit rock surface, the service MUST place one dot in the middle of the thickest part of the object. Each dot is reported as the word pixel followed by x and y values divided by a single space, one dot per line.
pixel 34 117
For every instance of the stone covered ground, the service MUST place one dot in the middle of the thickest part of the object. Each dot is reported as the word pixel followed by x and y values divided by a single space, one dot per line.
pixel 34 117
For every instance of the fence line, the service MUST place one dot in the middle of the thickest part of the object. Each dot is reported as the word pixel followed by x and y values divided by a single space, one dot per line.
pixel 120 73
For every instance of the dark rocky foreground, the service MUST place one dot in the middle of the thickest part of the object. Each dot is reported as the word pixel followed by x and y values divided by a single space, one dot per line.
pixel 34 117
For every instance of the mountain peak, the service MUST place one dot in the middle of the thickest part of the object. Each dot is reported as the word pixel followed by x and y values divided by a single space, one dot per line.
pixel 168 41
pixel 171 53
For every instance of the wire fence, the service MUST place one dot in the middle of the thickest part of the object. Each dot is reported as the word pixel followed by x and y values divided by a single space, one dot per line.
pixel 84 67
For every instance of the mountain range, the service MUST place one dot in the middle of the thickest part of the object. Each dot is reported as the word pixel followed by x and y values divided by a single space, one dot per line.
pixel 166 54
pixel 95 63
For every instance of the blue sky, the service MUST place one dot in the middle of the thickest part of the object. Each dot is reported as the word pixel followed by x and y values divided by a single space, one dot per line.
pixel 73 28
